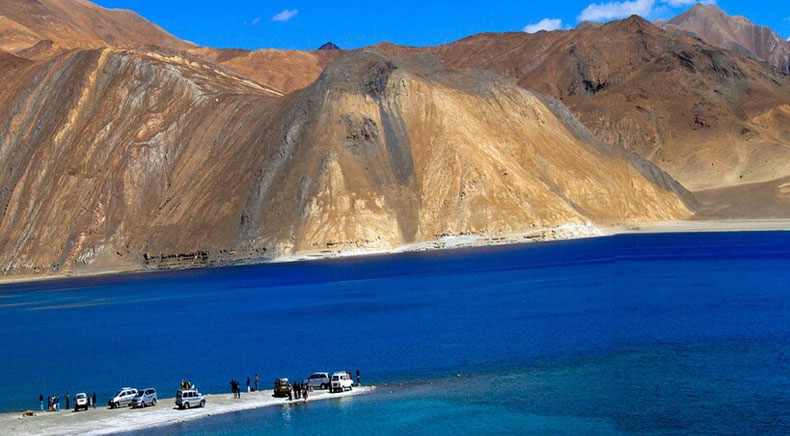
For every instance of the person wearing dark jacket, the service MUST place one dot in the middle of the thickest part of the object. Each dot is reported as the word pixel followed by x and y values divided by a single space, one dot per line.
pixel 67 401
pixel 41 402
pixel 93 400
pixel 248 383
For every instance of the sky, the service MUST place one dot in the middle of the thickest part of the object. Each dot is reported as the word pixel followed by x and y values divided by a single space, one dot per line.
pixel 307 24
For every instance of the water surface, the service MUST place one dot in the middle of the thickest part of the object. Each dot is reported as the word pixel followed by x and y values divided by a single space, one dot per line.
pixel 647 334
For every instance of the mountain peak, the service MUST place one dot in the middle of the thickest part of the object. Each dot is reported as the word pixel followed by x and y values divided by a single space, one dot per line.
pixel 329 46
pixel 705 8
pixel 712 25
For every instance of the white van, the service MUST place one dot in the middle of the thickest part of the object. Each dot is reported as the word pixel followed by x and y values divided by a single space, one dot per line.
pixel 341 381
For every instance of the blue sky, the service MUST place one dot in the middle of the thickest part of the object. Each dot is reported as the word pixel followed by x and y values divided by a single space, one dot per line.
pixel 306 24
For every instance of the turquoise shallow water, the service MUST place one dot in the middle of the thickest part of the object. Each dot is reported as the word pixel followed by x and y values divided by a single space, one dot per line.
pixel 650 390
pixel 636 334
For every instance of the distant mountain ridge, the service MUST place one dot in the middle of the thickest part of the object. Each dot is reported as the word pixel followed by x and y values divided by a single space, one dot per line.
pixel 737 33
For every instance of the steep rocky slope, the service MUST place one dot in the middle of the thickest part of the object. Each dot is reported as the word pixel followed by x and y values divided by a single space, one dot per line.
pixel 735 33
pixel 144 157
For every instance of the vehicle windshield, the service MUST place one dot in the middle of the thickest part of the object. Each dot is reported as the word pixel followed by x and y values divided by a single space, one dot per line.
pixel 80 396
pixel 335 378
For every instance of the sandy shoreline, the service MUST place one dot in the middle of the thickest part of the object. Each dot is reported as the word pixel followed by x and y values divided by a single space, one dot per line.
pixel 104 421
pixel 560 233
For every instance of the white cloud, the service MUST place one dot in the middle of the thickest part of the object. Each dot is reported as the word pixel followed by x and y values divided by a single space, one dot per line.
pixel 285 15
pixel 256 20
pixel 614 10
pixel 544 24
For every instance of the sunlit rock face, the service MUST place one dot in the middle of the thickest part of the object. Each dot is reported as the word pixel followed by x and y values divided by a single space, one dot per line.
pixel 146 157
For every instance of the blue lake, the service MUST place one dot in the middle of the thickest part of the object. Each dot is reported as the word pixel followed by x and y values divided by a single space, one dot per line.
pixel 634 334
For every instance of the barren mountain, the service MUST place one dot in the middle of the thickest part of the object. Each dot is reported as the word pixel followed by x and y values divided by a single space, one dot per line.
pixel 69 24
pixel 144 157
pixel 708 116
pixel 735 33
pixel 285 70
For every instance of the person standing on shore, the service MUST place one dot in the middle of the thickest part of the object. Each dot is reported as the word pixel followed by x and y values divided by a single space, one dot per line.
pixel 93 400
pixel 41 402
pixel 256 382
pixel 306 391
pixel 67 401
pixel 357 377
pixel 248 384
pixel 49 403
pixel 290 392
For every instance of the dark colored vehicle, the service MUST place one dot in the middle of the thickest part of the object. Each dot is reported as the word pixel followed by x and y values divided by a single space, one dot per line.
pixel 281 387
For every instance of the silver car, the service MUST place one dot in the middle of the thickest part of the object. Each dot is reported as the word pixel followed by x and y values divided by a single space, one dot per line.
pixel 186 398
pixel 146 397
pixel 318 380
pixel 123 397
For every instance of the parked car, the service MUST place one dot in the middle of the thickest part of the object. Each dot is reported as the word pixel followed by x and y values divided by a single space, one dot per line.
pixel 281 387
pixel 144 398
pixel 186 398
pixel 318 380
pixel 81 401
pixel 123 397
pixel 341 381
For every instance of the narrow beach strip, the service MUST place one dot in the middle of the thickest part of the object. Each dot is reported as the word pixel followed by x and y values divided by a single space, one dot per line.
pixel 103 420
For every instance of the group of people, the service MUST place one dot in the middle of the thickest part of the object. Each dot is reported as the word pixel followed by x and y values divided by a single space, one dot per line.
pixel 185 385
pixel 298 391
pixel 249 387
pixel 53 402
pixel 236 388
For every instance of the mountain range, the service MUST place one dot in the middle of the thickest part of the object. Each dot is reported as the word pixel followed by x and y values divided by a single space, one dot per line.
pixel 124 147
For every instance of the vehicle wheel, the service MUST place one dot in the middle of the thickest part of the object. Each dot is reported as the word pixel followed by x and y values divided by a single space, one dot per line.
pixel 153 402
pixel 202 403
pixel 323 386
pixel 116 405
pixel 186 405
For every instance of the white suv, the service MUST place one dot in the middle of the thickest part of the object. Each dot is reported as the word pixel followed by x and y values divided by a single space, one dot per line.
pixel 123 397
pixel 340 382
pixel 318 380
pixel 81 401
pixel 186 398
